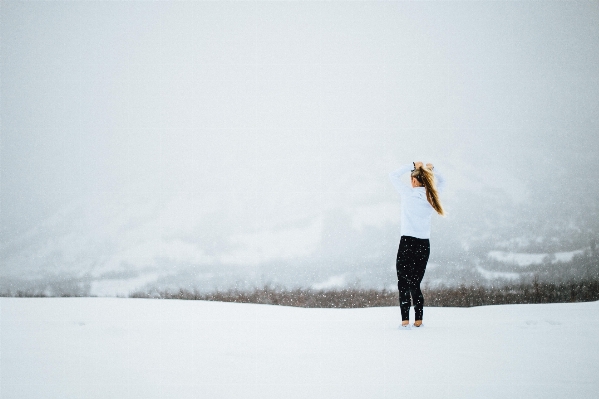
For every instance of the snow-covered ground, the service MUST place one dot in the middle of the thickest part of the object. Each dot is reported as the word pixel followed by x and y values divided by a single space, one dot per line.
pixel 148 348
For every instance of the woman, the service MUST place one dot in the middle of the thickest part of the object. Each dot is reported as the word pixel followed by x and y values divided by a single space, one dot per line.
pixel 417 205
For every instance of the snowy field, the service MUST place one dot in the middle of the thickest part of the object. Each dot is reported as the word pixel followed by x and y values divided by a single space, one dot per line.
pixel 149 348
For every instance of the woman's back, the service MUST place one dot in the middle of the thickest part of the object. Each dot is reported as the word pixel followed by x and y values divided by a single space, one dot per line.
pixel 416 211
pixel 416 214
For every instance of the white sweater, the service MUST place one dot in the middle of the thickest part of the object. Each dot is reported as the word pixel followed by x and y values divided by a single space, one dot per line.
pixel 415 209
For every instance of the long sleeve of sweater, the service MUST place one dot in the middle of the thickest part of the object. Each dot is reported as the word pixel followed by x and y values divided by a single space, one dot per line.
pixel 395 177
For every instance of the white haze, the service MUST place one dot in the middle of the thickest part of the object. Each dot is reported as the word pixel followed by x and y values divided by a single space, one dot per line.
pixel 213 143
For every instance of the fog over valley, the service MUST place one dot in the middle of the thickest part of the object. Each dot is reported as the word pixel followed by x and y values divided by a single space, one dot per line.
pixel 209 145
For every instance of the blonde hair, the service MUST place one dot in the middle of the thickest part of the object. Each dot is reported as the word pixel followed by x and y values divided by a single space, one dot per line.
pixel 426 177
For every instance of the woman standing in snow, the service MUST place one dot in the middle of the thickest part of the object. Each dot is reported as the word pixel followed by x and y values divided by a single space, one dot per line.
pixel 417 205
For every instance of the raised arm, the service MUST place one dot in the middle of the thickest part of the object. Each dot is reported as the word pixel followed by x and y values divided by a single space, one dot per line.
pixel 395 177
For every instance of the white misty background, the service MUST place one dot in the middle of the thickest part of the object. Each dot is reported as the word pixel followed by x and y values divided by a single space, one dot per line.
pixel 213 144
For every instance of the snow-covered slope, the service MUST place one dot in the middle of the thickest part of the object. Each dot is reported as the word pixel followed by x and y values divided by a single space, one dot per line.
pixel 148 348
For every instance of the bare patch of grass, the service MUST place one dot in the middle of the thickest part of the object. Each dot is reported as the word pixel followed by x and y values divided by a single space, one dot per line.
pixel 522 293
pixel 461 296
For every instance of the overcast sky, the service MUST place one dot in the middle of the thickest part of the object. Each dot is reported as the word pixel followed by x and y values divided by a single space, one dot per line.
pixel 250 117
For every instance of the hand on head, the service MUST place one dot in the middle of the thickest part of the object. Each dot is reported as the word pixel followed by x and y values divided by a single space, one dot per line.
pixel 419 164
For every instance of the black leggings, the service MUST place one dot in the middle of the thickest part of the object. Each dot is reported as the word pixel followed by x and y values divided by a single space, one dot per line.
pixel 412 257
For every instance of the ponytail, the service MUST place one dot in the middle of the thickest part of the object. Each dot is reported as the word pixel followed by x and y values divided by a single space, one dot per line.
pixel 427 178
